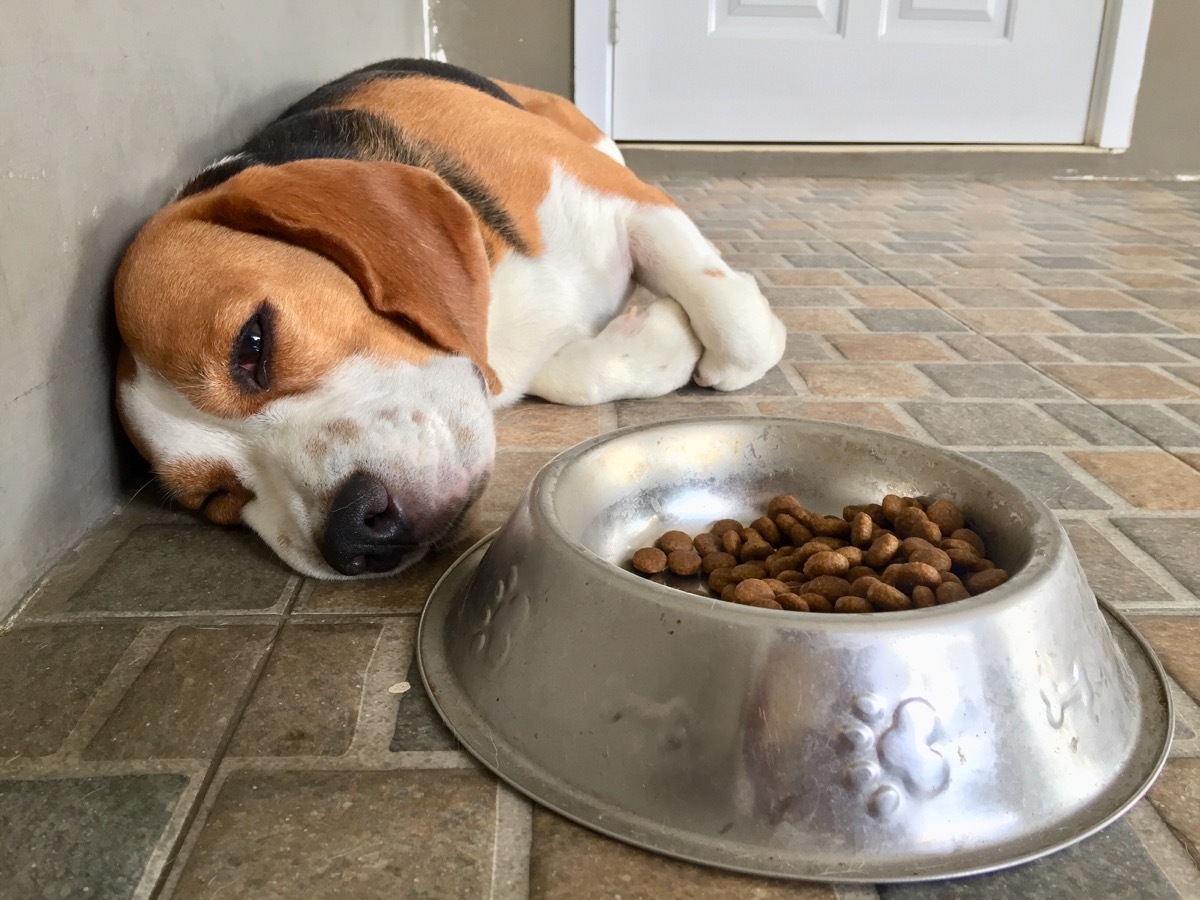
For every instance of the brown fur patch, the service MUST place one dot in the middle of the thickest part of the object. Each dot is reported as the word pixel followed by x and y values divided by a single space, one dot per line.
pixel 508 150
pixel 714 273
pixel 202 267
pixel 342 430
pixel 207 486
pixel 559 110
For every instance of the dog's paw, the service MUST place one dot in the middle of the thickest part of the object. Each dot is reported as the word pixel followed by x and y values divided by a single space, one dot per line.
pixel 657 342
pixel 750 344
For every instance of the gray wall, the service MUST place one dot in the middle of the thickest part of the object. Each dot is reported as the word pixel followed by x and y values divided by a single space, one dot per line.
pixel 106 108
pixel 528 42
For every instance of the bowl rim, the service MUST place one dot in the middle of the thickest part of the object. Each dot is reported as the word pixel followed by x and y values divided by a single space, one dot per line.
pixel 1048 538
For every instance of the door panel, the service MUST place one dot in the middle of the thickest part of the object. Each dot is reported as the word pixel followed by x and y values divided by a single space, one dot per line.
pixel 895 71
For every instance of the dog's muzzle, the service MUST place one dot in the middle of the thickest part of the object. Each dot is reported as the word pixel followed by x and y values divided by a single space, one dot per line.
pixel 366 531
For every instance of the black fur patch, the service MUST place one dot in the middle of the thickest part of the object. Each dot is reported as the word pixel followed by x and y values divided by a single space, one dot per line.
pixel 324 133
pixel 329 94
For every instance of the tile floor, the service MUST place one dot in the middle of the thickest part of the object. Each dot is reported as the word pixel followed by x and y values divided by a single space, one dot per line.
pixel 181 716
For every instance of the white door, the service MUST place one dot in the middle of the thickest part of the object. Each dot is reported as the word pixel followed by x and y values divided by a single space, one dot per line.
pixel 892 71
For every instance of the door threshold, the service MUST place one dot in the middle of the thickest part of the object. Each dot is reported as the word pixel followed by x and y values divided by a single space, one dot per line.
pixel 655 158
pixel 699 146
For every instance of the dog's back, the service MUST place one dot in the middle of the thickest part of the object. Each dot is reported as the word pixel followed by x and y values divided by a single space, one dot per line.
pixel 486 139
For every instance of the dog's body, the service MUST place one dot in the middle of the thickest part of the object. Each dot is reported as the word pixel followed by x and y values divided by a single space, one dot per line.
pixel 318 327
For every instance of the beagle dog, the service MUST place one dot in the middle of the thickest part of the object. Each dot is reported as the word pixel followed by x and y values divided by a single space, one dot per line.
pixel 318 327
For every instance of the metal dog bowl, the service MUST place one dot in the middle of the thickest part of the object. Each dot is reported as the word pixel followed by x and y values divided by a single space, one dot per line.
pixel 885 747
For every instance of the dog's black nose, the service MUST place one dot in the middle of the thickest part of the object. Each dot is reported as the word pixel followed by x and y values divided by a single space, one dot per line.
pixel 365 531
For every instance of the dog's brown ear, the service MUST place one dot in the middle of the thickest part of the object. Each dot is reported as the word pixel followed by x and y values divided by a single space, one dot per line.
pixel 410 242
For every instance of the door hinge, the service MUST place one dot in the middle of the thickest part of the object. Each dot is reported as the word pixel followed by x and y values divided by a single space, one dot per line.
pixel 612 21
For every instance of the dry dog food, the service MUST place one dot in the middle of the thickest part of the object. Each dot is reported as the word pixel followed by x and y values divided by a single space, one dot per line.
pixel 879 557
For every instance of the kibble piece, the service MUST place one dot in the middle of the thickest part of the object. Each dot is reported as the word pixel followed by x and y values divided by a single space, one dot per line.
pixel 775 585
pixel 674 540
pixel 719 579
pixel 882 551
pixel 927 530
pixel 985 580
pixel 791 601
pixel 832 543
pixel 817 603
pixel 649 560
pixel 799 534
pixel 950 577
pixel 705 543
pixel 767 528
pixel 923 597
pixel 910 545
pixel 951 592
pixel 931 556
pixel 806 551
pixel 710 562
pixel 965 561
pixel 906 576
pixel 892 505
pixel 857 572
pixel 771 603
pixel 785 503
pixel 850 604
pixel 727 593
pixel 723 525
pixel 966 534
pixel 731 540
pixel 827 562
pixel 829 526
pixel 853 555
pixel 945 515
pixel 828 586
pixel 875 511
pixel 790 576
pixel 683 562
pixel 849 512
pixel 785 521
pixel 887 597
pixel 954 544
pixel 861 529
pixel 912 522
pixel 861 585
pixel 755 550
pixel 783 563
pixel 752 589
pixel 749 570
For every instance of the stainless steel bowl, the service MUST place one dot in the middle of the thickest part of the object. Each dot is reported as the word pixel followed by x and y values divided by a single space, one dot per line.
pixel 882 747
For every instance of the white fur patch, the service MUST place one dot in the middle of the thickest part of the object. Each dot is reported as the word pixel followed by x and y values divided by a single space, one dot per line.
pixel 608 147
pixel 425 431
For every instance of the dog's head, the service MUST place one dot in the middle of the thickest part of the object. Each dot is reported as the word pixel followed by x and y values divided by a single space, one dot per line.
pixel 305 352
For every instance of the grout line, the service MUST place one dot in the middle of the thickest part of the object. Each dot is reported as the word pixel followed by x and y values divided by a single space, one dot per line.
pixel 137 656
pixel 513 840
pixel 207 780
pixel 1164 849
pixel 392 661
pixel 1143 560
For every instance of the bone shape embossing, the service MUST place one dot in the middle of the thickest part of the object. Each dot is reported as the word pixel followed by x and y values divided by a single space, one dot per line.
pixel 1058 695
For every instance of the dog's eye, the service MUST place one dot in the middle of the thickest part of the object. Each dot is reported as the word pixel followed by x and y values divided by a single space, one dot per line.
pixel 249 355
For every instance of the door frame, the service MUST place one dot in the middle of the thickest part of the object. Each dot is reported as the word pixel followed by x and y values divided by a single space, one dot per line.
pixel 1122 54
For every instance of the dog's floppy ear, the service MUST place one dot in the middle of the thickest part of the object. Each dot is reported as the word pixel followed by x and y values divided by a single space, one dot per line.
pixel 410 242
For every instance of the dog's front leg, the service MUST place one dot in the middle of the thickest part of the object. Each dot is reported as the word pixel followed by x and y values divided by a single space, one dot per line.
pixel 647 351
pixel 742 338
